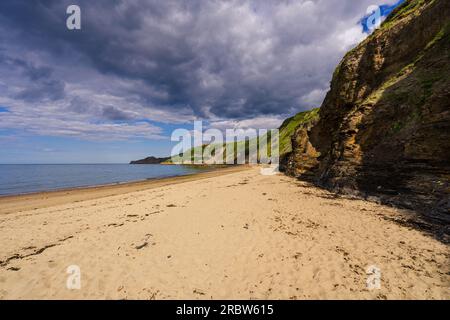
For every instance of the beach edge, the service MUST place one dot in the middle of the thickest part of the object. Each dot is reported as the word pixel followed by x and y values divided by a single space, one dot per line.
pixel 44 199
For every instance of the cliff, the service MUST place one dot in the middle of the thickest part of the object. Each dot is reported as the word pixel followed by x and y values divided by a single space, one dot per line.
pixel 286 131
pixel 288 127
pixel 384 126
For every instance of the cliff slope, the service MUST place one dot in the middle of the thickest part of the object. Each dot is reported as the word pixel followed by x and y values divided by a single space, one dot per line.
pixel 384 126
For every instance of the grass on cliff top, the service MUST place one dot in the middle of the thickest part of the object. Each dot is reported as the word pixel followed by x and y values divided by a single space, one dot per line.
pixel 288 127
pixel 405 9
pixel 286 132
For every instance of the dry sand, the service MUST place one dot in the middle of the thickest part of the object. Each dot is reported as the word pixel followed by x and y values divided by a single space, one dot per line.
pixel 230 235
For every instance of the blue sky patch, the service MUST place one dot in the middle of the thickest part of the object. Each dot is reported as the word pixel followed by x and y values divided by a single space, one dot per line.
pixel 385 9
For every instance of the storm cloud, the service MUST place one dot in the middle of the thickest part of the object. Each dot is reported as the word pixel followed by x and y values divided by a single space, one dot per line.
pixel 169 61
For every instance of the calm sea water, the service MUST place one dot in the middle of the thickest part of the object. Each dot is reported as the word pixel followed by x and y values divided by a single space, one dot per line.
pixel 18 179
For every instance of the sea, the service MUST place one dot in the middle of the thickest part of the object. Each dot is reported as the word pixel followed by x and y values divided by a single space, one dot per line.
pixel 28 178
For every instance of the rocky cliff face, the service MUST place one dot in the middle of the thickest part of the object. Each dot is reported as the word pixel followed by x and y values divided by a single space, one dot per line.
pixel 384 126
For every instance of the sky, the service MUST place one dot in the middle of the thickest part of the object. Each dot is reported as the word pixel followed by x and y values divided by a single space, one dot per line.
pixel 137 70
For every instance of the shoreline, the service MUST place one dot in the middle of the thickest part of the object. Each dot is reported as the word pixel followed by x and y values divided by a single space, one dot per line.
pixel 43 199
pixel 203 168
pixel 62 189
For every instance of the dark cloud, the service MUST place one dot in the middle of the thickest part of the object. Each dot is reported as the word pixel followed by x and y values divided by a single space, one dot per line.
pixel 112 113
pixel 78 105
pixel 38 81
pixel 220 60
pixel 47 89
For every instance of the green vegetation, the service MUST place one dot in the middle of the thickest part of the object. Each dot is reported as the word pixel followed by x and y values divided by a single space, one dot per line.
pixel 439 36
pixel 286 131
pixel 404 10
pixel 378 93
pixel 427 79
pixel 288 127
pixel 424 82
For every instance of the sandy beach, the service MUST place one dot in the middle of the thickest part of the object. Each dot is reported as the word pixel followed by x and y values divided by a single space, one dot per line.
pixel 227 234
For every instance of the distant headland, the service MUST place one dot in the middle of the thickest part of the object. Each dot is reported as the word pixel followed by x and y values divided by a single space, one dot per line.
pixel 150 160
